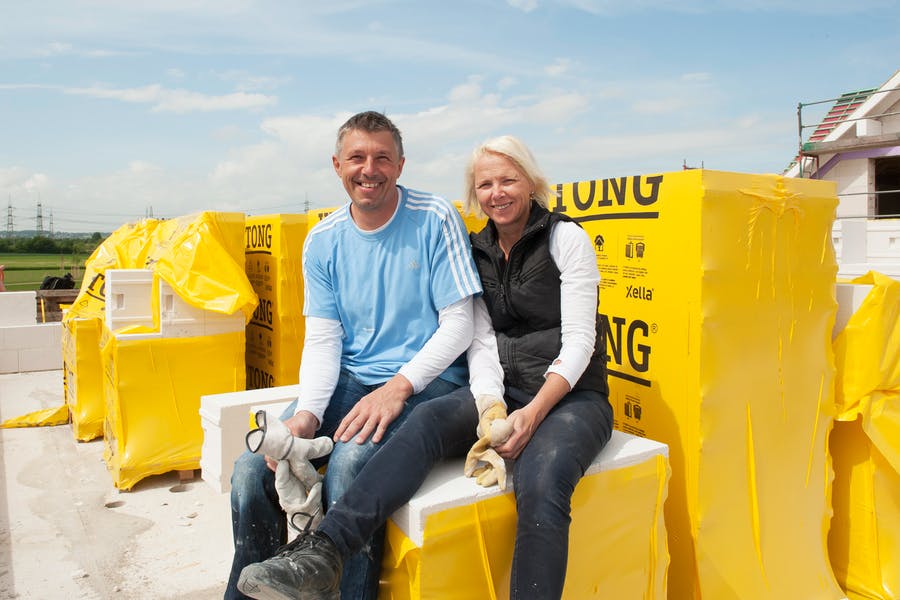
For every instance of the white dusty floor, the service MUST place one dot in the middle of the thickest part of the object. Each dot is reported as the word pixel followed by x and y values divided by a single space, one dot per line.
pixel 67 533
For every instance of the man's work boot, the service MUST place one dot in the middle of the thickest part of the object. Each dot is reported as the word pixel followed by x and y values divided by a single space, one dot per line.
pixel 307 568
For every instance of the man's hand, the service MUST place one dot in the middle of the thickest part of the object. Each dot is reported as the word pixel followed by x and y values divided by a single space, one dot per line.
pixel 375 411
pixel 303 424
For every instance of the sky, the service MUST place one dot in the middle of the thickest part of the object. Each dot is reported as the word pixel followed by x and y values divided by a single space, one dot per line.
pixel 114 111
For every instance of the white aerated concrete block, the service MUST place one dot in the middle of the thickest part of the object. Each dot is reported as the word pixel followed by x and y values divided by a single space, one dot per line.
pixel 9 360
pixel 177 318
pixel 849 298
pixel 447 487
pixel 17 308
pixel 128 298
pixel 225 420
pixel 36 347
pixel 129 303
pixel 273 411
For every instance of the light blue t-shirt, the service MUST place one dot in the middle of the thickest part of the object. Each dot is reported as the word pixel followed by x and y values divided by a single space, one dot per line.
pixel 387 286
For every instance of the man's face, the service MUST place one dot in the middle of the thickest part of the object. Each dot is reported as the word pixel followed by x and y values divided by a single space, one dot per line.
pixel 369 166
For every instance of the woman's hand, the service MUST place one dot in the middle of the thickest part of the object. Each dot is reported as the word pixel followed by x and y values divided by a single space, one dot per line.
pixel 524 422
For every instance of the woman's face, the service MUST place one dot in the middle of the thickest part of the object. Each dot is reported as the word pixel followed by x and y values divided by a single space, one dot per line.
pixel 502 191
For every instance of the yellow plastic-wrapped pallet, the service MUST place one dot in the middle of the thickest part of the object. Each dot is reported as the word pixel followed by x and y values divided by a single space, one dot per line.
pixel 83 376
pixel 152 389
pixel 718 301
pixel 617 543
pixel 125 248
pixel 153 381
pixel 200 256
pixel 864 541
pixel 273 262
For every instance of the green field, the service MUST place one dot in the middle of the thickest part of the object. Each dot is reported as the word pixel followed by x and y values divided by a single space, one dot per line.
pixel 25 272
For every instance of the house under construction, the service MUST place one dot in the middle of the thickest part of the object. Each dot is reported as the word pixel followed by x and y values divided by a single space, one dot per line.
pixel 857 145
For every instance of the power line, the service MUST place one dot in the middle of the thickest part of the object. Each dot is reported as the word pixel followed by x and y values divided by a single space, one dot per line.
pixel 9 218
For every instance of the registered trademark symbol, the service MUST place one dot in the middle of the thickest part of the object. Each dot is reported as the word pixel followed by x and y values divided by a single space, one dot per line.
pixel 654 327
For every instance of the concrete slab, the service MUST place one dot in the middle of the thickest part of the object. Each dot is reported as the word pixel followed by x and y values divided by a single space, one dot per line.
pixel 66 532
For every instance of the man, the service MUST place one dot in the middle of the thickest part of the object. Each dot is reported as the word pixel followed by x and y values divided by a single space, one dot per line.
pixel 388 288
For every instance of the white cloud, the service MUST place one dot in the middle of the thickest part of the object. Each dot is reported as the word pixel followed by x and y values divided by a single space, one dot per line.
pixel 468 91
pixel 559 67
pixel 697 77
pixel 523 5
pixel 177 100
pixel 506 82
pixel 690 95
pixel 822 7
pixel 55 49
pixel 294 162
pixel 245 82
pixel 18 181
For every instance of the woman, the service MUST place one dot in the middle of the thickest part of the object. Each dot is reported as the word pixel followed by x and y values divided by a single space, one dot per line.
pixel 539 274
pixel 536 347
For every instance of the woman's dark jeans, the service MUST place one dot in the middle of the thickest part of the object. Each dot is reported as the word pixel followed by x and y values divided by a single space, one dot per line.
pixel 544 478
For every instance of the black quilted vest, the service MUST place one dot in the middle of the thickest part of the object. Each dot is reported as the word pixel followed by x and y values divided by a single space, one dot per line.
pixel 522 297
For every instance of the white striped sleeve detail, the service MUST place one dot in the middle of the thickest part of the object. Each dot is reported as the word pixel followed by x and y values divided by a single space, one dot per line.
pixel 457 243
pixel 329 222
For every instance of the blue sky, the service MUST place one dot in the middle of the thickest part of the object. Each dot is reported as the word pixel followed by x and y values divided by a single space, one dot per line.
pixel 110 110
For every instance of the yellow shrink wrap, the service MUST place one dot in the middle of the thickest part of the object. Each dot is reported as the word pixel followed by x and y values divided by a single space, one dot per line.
pixel 125 248
pixel 46 417
pixel 83 376
pixel 864 541
pixel 464 549
pixel 718 302
pixel 273 246
pixel 152 387
pixel 471 222
pixel 200 256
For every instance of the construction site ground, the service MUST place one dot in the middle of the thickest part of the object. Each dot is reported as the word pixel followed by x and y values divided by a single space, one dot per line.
pixel 66 532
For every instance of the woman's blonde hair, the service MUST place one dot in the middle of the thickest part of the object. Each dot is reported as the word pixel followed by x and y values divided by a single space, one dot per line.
pixel 513 149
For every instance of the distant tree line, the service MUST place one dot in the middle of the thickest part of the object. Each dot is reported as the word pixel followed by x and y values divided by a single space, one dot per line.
pixel 41 244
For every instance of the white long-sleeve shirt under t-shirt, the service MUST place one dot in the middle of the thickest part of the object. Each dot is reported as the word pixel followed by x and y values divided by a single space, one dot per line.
pixel 320 367
pixel 573 253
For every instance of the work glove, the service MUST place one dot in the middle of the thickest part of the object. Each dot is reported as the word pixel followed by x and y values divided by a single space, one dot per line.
pixel 482 461
pixel 300 485
pixel 302 505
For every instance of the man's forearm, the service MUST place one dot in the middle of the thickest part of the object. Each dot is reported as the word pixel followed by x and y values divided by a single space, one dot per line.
pixel 452 337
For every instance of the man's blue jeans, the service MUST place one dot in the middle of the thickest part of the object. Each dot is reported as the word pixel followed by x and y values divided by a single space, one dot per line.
pixel 544 478
pixel 258 523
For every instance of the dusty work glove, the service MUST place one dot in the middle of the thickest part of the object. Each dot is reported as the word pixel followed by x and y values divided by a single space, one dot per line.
pixel 300 485
pixel 303 505
pixel 482 461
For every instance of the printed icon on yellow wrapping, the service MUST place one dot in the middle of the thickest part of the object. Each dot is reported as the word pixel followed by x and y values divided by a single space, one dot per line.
pixel 633 410
pixel 598 242
pixel 635 250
